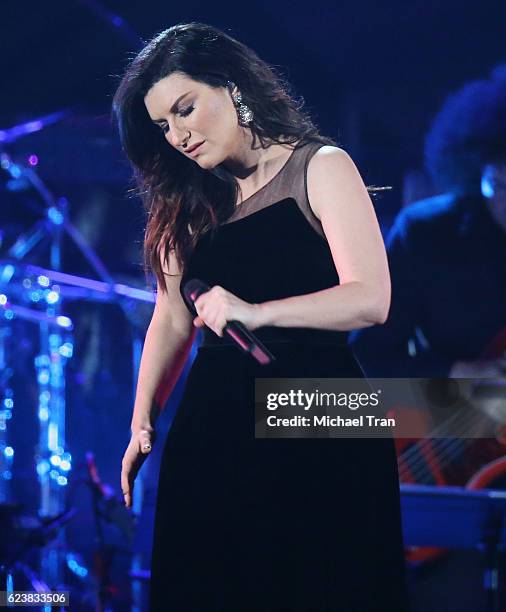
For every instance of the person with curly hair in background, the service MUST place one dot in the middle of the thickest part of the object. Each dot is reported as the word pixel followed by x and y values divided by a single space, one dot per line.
pixel 447 253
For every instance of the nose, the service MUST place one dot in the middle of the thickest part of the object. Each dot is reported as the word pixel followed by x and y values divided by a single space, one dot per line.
pixel 177 135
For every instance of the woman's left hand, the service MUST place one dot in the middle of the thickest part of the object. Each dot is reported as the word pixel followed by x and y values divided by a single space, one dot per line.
pixel 218 306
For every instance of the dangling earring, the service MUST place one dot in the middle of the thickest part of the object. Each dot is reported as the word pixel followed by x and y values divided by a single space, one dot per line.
pixel 244 112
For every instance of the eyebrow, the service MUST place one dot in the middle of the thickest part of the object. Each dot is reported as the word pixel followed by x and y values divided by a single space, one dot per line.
pixel 173 107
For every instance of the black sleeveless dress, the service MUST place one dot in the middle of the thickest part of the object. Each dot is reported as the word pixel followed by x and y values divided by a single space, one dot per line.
pixel 272 525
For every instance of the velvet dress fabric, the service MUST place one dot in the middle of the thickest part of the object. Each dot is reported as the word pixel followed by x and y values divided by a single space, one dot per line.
pixel 246 524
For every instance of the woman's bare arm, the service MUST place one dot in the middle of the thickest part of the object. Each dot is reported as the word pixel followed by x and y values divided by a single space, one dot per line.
pixel 168 341
pixel 339 198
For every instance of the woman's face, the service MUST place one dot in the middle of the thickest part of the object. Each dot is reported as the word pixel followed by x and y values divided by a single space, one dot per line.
pixel 190 112
pixel 493 188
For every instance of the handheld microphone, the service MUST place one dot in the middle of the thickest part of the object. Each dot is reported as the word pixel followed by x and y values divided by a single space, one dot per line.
pixel 240 335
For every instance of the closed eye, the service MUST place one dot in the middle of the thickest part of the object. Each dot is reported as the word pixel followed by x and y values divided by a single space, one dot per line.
pixel 184 112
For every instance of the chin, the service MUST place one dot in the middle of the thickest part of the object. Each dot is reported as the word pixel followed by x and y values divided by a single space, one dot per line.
pixel 205 164
pixel 202 164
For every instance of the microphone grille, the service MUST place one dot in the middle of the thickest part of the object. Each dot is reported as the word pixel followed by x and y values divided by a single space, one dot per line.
pixel 193 288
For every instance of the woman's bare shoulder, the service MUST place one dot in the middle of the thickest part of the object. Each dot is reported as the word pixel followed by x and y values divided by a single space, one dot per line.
pixel 331 171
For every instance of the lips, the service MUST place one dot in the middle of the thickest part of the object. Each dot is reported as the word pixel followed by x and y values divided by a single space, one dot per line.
pixel 195 147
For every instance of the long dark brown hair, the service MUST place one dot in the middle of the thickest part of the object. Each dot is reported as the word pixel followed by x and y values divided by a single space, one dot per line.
pixel 182 200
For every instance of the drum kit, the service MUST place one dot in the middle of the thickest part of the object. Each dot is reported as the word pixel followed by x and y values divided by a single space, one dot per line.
pixel 35 295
